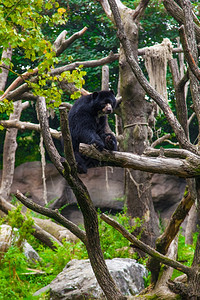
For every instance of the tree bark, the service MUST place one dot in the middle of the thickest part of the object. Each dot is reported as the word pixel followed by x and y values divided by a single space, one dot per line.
pixel 7 54
pixel 67 168
pixel 134 118
pixel 187 166
pixel 9 149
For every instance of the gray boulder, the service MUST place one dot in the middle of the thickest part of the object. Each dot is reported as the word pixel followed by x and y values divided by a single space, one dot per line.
pixel 77 280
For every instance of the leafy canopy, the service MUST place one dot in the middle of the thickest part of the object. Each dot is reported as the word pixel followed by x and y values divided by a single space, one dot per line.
pixel 22 23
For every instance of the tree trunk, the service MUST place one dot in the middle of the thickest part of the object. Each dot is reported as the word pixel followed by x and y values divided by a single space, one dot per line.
pixel 7 54
pixel 9 149
pixel 134 117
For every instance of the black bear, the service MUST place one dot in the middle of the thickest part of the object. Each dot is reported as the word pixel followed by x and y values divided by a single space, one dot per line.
pixel 87 124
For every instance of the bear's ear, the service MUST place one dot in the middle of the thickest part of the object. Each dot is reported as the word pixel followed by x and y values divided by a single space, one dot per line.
pixel 112 92
pixel 95 95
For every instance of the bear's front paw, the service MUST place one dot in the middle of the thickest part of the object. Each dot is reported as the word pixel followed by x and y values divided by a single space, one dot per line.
pixel 110 142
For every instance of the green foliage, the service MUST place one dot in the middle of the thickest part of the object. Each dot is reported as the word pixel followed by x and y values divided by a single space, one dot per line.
pixel 6 107
pixel 24 224
pixel 11 265
pixel 185 252
pixel 18 282
pixel 22 25
pixel 112 242
pixel 97 41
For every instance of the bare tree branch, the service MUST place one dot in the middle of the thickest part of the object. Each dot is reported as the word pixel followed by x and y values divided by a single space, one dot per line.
pixel 141 51
pixel 138 12
pixel 90 63
pixel 53 153
pixel 19 80
pixel 191 39
pixel 180 167
pixel 9 149
pixel 107 9
pixel 27 126
pixel 68 148
pixel 147 249
pixel 66 43
pixel 160 140
pixel 164 241
pixel 181 106
pixel 59 40
pixel 188 55
pixel 173 153
pixel 52 214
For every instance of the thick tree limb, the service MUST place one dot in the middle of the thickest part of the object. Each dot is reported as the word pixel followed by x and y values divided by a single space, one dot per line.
pixel 53 153
pixel 191 39
pixel 147 249
pixel 39 233
pixel 86 64
pixel 107 9
pixel 66 43
pixel 17 93
pixel 59 40
pixel 27 126
pixel 180 134
pixel 180 167
pixel 163 242
pixel 172 153
pixel 188 55
pixel 9 150
pixel 52 214
pixel 138 12
pixel 141 51
pixel 68 148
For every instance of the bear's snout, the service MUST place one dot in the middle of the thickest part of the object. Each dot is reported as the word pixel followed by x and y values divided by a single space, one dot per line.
pixel 108 109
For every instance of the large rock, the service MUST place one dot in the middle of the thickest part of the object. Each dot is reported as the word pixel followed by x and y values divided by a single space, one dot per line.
pixel 77 280
pixel 167 191
pixel 28 179
pixel 105 185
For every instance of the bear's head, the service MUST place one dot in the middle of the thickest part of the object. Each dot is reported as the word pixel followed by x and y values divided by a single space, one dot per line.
pixel 103 102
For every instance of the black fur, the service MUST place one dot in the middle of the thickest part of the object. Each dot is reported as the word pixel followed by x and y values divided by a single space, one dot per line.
pixel 87 123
